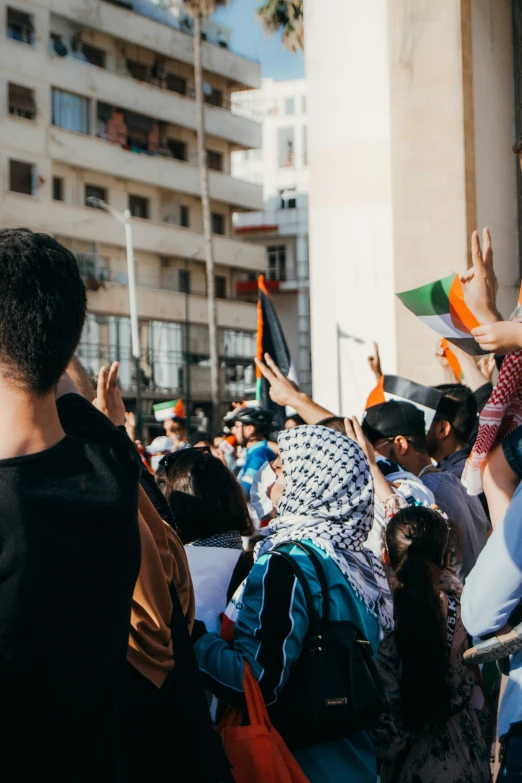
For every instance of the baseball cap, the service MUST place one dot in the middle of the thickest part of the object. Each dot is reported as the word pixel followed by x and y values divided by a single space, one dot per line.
pixel 161 444
pixel 393 418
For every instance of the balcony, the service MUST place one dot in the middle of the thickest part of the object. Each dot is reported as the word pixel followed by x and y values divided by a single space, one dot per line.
pixel 83 151
pixel 95 226
pixel 150 100
pixel 123 23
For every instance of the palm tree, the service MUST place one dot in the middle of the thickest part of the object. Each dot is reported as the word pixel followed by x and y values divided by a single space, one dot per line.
pixel 199 10
pixel 285 15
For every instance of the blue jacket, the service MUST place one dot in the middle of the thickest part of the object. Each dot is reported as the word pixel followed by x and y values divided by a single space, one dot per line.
pixel 269 634
pixel 256 456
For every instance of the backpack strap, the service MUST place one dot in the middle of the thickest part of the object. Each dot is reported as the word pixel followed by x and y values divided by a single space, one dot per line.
pixel 321 575
pixel 314 632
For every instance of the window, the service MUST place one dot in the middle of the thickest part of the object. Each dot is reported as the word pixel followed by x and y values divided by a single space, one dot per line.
pixel 305 145
pixel 86 263
pixel 239 344
pixel 57 189
pixel 20 26
pixel 215 160
pixel 176 84
pixel 285 146
pixel 138 70
pixel 303 104
pixel 288 199
pixel 93 55
pixel 139 206
pixel 276 257
pixel 138 129
pixel 22 177
pixel 94 191
pixel 184 216
pixel 213 97
pixel 289 105
pixel 70 111
pixel 166 354
pixel 21 102
pixel 218 223
pixel 184 281
pixel 220 283
pixel 178 149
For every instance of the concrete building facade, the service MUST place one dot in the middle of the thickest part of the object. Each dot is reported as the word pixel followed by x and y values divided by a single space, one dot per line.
pixel 97 99
pixel 412 109
pixel 281 228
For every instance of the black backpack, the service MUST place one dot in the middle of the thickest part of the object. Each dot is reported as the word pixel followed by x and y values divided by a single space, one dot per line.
pixel 333 689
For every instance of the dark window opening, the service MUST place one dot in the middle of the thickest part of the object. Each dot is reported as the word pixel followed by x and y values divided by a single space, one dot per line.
pixel 139 206
pixel 137 70
pixel 214 97
pixel 178 149
pixel 218 223
pixel 184 216
pixel 94 55
pixel 21 102
pixel 21 177
pixel 276 257
pixel 57 189
pixel 184 281
pixel 220 283
pixel 215 160
pixel 20 26
pixel 288 199
pixel 176 84
pixel 94 191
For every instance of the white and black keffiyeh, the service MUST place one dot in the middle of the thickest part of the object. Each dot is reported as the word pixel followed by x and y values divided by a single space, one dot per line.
pixel 329 500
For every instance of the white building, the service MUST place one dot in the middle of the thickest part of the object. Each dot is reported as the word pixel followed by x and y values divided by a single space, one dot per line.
pixel 97 99
pixel 413 109
pixel 281 166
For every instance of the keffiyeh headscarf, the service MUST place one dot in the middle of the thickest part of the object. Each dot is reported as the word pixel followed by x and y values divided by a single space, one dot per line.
pixel 328 499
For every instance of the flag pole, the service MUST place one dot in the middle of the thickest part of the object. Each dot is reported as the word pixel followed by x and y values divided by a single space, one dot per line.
pixel 259 338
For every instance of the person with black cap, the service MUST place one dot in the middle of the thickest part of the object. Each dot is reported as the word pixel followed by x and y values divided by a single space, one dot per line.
pixel 397 431
pixel 251 429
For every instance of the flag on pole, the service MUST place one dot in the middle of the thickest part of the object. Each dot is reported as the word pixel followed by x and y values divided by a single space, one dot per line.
pixel 441 306
pixel 427 399
pixel 271 339
pixel 174 409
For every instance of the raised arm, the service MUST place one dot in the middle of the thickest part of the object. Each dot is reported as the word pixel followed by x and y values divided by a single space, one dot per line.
pixel 284 392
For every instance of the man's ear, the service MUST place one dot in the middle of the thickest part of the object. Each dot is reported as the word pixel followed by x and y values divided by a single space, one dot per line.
pixel 401 444
pixel 441 429
pixel 385 556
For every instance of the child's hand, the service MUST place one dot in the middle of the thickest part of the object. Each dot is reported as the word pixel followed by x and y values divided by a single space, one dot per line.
pixel 501 337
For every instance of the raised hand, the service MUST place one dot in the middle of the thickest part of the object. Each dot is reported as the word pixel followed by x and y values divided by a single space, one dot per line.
pixel 108 398
pixel 487 366
pixel 282 390
pixel 354 432
pixel 480 283
pixel 375 362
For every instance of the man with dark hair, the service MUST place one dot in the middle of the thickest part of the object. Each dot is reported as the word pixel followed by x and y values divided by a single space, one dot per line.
pixel 449 437
pixel 69 554
pixel 397 431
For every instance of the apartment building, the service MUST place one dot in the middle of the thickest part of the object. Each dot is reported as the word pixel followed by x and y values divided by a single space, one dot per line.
pixel 281 228
pixel 412 112
pixel 97 100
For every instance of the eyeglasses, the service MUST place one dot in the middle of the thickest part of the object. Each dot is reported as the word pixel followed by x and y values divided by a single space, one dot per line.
pixel 168 459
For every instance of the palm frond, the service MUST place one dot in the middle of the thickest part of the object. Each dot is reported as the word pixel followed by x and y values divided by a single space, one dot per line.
pixel 287 16
pixel 202 8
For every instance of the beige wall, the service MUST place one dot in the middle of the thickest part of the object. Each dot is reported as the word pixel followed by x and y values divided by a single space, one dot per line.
pixel 494 135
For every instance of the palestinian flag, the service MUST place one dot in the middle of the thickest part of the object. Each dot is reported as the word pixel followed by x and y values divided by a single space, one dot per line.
pixel 427 399
pixel 169 410
pixel 271 339
pixel 441 306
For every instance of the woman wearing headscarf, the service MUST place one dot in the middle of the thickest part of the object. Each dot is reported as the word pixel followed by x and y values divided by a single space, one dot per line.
pixel 327 503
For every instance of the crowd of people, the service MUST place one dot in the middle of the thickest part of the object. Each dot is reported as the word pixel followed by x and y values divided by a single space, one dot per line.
pixel 339 571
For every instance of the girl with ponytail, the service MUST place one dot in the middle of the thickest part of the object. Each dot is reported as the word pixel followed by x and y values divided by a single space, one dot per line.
pixel 429 731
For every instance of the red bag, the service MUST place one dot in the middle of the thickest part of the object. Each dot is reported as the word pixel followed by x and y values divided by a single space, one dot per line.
pixel 257 752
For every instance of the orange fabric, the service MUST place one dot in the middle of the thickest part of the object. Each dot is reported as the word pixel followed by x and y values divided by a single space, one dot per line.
pixel 377 395
pixel 461 315
pixel 257 753
pixel 451 359
pixel 163 561
pixel 259 333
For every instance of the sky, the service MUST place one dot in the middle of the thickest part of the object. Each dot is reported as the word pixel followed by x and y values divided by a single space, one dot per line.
pixel 249 40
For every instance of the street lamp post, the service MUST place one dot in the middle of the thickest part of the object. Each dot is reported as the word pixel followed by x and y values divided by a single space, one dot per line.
pixel 125 218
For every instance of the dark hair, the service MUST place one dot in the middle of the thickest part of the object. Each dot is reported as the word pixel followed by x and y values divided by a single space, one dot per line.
pixel 200 437
pixel 204 496
pixel 332 422
pixel 416 539
pixel 465 420
pixel 297 418
pixel 43 304
pixel 517 146
pixel 418 442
